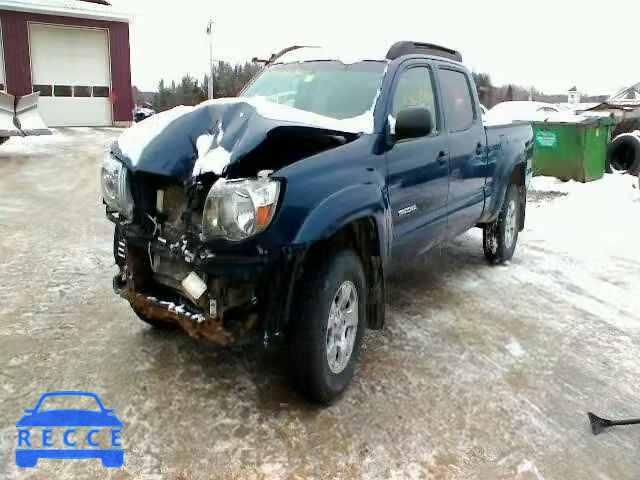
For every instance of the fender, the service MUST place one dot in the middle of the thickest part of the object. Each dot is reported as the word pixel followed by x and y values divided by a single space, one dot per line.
pixel 495 201
pixel 339 210
pixel 344 207
pixel 502 178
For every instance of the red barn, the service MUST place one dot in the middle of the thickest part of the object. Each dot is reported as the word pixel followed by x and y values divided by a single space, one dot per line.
pixel 75 53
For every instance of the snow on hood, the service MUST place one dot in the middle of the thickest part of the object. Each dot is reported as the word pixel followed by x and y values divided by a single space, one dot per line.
pixel 189 141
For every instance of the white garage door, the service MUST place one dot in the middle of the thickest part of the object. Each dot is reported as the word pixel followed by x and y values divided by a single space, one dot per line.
pixel 70 69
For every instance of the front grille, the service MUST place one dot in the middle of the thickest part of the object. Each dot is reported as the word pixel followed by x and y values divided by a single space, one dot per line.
pixel 170 208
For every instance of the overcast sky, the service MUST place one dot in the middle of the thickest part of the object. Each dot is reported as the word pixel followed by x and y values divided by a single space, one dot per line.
pixel 551 45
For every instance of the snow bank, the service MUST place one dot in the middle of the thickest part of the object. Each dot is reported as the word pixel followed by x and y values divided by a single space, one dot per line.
pixel 584 242
pixel 34 144
pixel 610 186
pixel 610 204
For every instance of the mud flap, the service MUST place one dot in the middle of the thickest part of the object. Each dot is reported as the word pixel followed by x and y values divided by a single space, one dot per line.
pixel 19 116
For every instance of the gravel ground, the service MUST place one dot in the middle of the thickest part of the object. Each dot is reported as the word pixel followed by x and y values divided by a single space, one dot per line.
pixel 481 372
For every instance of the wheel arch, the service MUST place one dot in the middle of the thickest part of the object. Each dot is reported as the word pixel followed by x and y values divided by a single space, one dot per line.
pixel 516 176
pixel 363 236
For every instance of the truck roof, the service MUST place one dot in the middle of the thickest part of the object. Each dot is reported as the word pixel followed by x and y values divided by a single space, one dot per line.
pixel 397 50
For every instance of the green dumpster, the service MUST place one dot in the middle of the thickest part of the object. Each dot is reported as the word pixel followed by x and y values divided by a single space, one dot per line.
pixel 571 151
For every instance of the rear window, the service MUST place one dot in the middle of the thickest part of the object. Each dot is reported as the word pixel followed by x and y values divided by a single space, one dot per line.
pixel 458 100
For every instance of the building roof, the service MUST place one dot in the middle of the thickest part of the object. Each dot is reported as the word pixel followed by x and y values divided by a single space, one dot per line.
pixel 605 106
pixel 94 9
pixel 628 96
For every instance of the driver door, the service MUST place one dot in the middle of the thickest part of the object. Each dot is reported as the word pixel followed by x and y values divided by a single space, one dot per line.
pixel 417 168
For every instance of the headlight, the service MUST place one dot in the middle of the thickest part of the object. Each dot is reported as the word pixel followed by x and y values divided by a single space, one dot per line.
pixel 114 179
pixel 237 209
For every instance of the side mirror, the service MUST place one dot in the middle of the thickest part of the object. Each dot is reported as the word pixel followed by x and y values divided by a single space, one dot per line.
pixel 413 122
pixel 109 411
pixel 28 410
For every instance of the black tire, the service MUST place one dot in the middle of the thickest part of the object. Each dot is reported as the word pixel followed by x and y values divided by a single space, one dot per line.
pixel 154 322
pixel 307 336
pixel 3 139
pixel 623 154
pixel 497 242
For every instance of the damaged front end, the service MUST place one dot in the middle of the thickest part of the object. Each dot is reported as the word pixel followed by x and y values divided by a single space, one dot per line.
pixel 167 289
pixel 171 271
pixel 192 193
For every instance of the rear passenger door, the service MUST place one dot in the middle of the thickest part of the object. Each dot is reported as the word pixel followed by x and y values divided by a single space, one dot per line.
pixel 417 168
pixel 467 149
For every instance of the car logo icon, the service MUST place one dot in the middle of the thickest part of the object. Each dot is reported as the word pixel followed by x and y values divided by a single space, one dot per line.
pixel 69 419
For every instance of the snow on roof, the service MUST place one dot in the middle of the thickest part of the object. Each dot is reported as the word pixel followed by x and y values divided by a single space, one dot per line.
pixel 528 111
pixel 94 9
pixel 310 54
pixel 628 95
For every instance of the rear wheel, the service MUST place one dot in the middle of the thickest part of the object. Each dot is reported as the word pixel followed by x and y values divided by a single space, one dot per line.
pixel 326 333
pixel 3 139
pixel 501 236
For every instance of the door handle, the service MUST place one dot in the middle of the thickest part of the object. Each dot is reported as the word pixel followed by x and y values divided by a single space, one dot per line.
pixel 442 157
pixel 479 149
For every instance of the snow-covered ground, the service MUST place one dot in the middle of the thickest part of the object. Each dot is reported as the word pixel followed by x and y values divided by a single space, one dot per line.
pixel 589 218
pixel 480 373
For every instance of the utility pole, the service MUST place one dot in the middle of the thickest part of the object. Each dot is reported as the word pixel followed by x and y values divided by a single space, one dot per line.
pixel 210 33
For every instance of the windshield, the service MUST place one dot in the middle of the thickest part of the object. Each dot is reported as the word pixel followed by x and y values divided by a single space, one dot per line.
pixel 327 88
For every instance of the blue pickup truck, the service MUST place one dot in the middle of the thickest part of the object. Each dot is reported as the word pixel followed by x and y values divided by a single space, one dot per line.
pixel 277 215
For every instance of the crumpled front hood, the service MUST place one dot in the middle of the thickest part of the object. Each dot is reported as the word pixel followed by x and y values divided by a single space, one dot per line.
pixel 185 142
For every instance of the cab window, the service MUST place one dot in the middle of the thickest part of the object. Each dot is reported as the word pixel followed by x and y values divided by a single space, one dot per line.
pixel 458 100
pixel 414 89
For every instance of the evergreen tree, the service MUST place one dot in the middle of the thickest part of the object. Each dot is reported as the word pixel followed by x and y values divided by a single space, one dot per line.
pixel 509 96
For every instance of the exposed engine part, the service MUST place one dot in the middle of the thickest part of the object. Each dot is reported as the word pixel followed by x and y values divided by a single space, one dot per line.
pixel 169 291
pixel 623 153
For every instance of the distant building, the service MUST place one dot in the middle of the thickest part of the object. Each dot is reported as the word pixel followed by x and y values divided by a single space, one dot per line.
pixel 628 97
pixel 573 96
pixel 75 53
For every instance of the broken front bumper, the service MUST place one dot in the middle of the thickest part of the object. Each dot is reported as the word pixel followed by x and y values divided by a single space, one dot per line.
pixel 245 296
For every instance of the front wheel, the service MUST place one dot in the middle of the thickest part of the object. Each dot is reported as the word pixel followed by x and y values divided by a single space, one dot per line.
pixel 501 236
pixel 326 333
